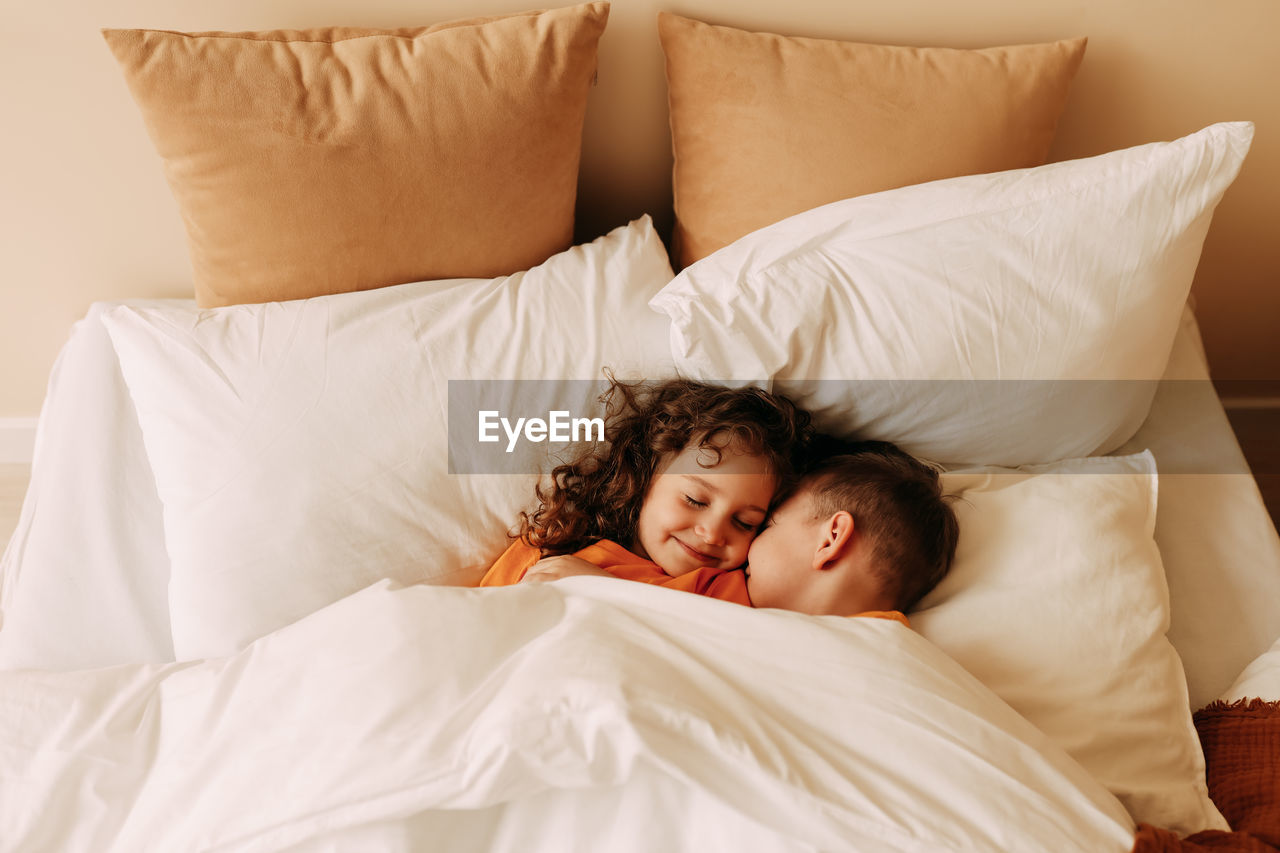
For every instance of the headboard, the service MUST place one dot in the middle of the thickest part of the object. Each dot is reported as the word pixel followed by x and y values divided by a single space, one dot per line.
pixel 87 214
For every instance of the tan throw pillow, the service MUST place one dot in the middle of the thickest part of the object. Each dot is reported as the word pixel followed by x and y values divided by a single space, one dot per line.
pixel 308 162
pixel 765 126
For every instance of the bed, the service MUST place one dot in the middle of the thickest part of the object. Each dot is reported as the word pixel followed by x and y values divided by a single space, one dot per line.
pixel 238 609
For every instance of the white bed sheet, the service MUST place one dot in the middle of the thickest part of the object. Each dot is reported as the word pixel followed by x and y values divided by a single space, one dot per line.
pixel 83 581
pixel 403 704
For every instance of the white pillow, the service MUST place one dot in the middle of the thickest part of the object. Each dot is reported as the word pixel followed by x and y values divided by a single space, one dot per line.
pixel 82 582
pixel 301 449
pixel 1070 271
pixel 1259 680
pixel 1057 601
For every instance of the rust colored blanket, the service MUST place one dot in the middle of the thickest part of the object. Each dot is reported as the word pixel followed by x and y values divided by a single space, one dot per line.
pixel 1242 762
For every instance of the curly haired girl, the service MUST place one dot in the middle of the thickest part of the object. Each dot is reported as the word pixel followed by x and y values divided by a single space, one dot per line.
pixel 683 482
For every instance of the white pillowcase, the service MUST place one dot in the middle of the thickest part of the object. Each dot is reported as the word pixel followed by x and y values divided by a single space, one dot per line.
pixel 1259 680
pixel 1070 271
pixel 1057 601
pixel 82 582
pixel 301 449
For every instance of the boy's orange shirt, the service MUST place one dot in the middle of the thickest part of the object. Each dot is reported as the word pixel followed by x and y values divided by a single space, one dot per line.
pixel 726 585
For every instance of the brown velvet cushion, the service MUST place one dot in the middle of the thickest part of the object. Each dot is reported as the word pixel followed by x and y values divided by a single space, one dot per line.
pixel 330 160
pixel 765 126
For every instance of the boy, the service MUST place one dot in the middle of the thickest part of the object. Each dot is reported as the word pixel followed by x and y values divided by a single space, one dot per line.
pixel 867 531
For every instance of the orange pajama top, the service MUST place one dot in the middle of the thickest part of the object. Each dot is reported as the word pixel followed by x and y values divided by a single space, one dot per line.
pixel 726 585
pixel 619 562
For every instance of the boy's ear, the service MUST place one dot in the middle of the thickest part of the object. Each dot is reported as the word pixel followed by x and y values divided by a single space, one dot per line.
pixel 837 538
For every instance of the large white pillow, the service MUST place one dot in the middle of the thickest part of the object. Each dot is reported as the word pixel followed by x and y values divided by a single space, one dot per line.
pixel 1057 601
pixel 1072 271
pixel 301 449
pixel 82 582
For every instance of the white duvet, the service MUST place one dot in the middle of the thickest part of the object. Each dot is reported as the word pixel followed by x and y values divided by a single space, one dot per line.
pixel 554 717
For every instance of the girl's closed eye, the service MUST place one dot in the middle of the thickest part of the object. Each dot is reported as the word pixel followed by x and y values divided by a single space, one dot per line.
pixel 747 526
pixel 694 502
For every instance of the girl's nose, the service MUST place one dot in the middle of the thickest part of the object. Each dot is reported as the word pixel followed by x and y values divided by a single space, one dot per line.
pixel 712 532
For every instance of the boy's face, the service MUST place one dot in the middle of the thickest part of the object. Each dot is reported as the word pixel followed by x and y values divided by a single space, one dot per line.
pixel 780 562
pixel 696 516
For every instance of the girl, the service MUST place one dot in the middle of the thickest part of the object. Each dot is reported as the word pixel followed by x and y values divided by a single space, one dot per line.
pixel 682 483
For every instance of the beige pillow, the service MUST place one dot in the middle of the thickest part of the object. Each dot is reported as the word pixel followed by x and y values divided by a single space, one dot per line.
pixel 765 126
pixel 322 161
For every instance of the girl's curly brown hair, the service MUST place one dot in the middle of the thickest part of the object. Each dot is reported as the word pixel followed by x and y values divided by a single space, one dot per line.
pixel 598 494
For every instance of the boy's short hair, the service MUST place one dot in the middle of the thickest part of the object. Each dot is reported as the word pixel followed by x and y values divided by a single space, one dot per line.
pixel 896 502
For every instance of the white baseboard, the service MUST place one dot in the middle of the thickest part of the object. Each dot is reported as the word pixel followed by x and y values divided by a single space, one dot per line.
pixel 17 440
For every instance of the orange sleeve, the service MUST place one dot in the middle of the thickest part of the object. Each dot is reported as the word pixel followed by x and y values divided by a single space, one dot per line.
pixel 516 561
pixel 714 583
pixel 621 562
pixel 511 566
pixel 729 586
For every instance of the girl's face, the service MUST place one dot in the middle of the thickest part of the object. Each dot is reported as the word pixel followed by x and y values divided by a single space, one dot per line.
pixel 699 515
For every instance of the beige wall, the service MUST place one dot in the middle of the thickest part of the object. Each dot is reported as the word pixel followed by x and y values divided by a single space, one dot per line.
pixel 85 213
